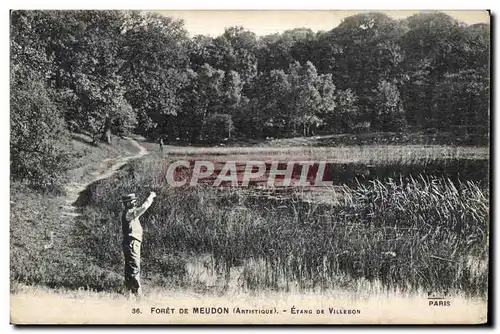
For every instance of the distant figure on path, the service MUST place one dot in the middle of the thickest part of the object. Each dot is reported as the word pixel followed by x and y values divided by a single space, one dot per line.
pixel 132 239
pixel 161 144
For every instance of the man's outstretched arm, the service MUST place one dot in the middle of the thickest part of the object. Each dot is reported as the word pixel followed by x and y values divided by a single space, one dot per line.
pixel 147 203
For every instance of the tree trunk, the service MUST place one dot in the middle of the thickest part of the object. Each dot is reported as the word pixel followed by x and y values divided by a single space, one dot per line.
pixel 106 135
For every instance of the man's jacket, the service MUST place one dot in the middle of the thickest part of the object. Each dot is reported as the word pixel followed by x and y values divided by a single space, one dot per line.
pixel 131 226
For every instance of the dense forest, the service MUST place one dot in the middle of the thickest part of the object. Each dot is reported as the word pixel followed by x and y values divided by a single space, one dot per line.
pixel 116 72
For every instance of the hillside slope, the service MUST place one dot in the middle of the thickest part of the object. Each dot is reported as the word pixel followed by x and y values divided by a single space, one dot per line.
pixel 41 224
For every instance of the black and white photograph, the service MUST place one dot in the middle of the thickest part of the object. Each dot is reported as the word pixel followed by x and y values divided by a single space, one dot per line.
pixel 250 167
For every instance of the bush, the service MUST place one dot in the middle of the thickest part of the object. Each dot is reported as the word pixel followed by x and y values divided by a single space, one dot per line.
pixel 38 141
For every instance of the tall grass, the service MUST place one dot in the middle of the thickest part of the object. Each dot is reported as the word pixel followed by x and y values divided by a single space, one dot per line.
pixel 33 218
pixel 410 234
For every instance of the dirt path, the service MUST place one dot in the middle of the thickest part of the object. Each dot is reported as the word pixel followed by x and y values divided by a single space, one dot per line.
pixel 104 171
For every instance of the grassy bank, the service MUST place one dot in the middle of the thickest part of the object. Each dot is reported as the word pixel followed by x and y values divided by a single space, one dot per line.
pixel 41 245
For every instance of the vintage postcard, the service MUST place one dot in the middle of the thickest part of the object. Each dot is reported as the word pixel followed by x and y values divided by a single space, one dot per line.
pixel 249 167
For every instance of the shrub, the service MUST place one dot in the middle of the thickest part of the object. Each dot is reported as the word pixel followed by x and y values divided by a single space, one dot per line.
pixel 38 141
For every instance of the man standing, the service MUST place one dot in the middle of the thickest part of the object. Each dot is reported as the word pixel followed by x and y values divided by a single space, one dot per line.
pixel 132 239
pixel 161 144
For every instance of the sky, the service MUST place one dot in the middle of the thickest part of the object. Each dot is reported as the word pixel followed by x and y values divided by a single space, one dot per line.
pixel 263 22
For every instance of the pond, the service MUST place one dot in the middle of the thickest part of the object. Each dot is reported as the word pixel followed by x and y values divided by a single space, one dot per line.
pixel 312 174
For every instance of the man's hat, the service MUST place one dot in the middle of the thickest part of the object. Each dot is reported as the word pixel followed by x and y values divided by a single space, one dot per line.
pixel 129 198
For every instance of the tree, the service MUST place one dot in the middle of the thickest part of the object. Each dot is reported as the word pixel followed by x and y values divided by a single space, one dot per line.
pixel 240 53
pixel 434 47
pixel 87 63
pixel 476 46
pixel 389 114
pixel 346 113
pixel 312 97
pixel 267 113
pixel 155 51
pixel 462 103
pixel 274 53
pixel 202 96
pixel 366 50
pixel 39 151
pixel 218 127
